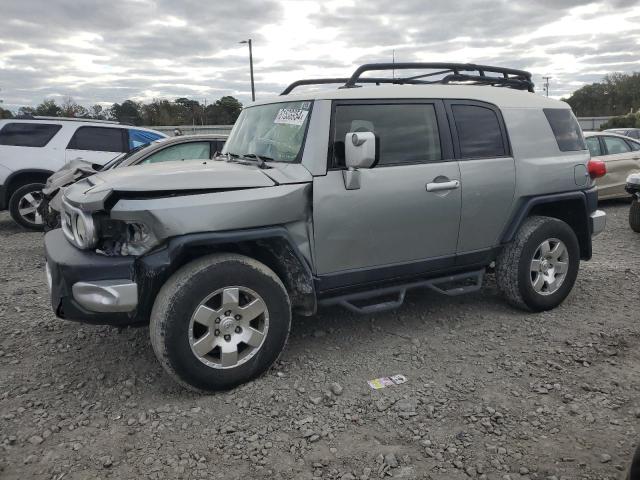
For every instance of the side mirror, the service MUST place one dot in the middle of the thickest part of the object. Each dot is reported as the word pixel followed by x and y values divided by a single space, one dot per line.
pixel 359 150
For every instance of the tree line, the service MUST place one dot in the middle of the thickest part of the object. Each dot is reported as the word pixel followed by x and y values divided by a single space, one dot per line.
pixel 617 94
pixel 182 111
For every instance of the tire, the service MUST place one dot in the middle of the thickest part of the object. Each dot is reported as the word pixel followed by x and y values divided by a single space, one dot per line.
pixel 175 332
pixel 23 206
pixel 634 216
pixel 515 274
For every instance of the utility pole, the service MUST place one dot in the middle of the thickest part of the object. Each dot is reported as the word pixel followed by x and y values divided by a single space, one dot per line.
pixel 546 84
pixel 253 90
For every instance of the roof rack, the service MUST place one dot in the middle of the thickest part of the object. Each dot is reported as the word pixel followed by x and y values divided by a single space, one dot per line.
pixel 466 73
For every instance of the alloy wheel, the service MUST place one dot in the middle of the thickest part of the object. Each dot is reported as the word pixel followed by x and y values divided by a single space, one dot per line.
pixel 549 266
pixel 228 327
pixel 28 207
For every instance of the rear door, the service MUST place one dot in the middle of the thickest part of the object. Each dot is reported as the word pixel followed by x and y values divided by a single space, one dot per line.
pixel 487 169
pixel 97 144
pixel 393 225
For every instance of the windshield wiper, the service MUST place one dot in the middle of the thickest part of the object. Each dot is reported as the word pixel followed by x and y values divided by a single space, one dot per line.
pixel 252 158
pixel 262 161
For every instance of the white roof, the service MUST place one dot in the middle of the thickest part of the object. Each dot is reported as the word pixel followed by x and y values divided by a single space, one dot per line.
pixel 500 96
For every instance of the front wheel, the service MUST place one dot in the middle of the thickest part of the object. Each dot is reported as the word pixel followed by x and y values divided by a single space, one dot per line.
pixel 634 216
pixel 220 321
pixel 23 206
pixel 538 269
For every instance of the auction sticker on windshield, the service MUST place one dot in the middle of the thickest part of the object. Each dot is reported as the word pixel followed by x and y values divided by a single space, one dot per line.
pixel 291 116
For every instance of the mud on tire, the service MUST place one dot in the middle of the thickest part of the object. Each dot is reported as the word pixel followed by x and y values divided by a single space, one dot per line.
pixel 522 264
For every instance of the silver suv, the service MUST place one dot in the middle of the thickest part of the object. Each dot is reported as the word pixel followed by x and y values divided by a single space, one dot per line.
pixel 347 196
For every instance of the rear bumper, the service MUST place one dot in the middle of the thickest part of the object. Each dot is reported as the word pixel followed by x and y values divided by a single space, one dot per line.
pixel 88 287
pixel 3 199
pixel 598 221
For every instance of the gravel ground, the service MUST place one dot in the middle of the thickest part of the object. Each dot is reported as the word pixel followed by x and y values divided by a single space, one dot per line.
pixel 491 393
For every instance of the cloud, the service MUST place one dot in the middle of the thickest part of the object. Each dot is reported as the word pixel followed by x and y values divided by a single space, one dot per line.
pixel 103 52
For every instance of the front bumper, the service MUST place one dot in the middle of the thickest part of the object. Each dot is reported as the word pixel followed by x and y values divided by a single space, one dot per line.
pixel 598 220
pixel 88 287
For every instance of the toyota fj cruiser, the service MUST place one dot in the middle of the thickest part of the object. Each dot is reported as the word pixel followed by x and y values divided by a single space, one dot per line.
pixel 347 196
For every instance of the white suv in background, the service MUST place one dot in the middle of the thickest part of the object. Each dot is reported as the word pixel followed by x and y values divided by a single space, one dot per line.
pixel 31 149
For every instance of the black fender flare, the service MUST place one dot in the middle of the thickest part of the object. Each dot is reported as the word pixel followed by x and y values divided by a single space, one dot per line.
pixel 272 246
pixel 587 199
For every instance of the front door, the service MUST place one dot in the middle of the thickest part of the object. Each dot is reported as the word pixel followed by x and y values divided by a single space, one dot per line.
pixel 404 217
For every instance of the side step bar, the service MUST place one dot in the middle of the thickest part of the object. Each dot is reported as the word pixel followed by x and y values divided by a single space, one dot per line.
pixel 450 285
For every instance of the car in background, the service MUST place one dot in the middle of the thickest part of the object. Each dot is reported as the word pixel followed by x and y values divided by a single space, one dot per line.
pixel 33 148
pixel 185 147
pixel 620 154
pixel 633 188
pixel 627 132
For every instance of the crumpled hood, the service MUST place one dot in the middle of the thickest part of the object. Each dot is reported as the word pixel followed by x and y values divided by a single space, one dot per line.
pixel 70 173
pixel 179 176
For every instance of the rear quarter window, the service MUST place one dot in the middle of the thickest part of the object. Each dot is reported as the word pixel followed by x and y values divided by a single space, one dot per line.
pixel 566 129
pixel 479 132
pixel 28 134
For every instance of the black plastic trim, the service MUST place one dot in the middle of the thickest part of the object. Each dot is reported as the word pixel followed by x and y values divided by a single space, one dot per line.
pixel 589 199
pixel 380 275
pixel 153 269
pixel 69 265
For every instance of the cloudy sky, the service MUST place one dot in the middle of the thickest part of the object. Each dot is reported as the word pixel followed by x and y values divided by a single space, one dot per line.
pixel 108 51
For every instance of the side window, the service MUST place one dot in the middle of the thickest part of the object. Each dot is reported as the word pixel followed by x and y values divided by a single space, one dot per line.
pixel 635 146
pixel 479 132
pixel 615 145
pixel 98 139
pixel 28 134
pixel 141 137
pixel 593 144
pixel 405 133
pixel 183 151
pixel 634 134
pixel 566 129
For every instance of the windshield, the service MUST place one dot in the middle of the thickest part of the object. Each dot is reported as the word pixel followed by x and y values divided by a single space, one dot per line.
pixel 274 131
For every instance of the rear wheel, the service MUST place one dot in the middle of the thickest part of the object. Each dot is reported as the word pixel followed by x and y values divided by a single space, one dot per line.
pixel 634 216
pixel 23 206
pixel 538 269
pixel 220 321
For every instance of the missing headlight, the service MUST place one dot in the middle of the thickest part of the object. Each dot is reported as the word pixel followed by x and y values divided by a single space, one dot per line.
pixel 120 238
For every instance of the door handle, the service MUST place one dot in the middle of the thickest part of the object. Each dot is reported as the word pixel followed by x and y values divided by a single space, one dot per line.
pixel 440 186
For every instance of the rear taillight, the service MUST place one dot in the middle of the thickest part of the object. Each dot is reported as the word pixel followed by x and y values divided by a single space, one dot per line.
pixel 596 168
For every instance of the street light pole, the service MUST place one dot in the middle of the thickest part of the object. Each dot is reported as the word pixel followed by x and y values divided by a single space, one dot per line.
pixel 253 90
pixel 546 84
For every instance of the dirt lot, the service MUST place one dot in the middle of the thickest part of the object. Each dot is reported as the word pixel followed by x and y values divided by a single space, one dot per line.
pixel 491 393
